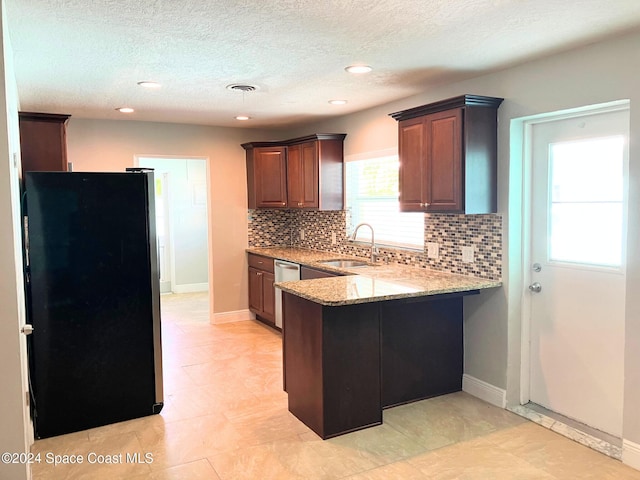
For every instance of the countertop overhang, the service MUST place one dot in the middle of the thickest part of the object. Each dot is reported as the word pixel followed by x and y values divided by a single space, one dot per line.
pixel 371 283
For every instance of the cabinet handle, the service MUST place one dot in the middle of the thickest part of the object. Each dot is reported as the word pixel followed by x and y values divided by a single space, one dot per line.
pixel 259 274
pixel 424 205
pixel 283 203
pixel 301 204
pixel 287 266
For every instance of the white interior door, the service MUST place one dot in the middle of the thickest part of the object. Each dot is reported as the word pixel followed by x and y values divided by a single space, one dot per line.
pixel 163 231
pixel 182 222
pixel 578 266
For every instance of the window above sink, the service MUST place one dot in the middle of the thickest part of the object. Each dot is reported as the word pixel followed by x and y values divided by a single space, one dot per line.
pixel 371 192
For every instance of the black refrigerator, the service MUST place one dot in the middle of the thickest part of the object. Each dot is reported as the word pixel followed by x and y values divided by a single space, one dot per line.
pixel 93 299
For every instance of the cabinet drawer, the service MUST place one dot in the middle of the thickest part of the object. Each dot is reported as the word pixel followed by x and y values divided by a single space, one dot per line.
pixel 261 263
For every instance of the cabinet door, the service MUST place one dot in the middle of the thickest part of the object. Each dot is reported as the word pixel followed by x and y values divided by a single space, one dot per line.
pixel 302 176
pixel 43 142
pixel 268 297
pixel 270 173
pixel 411 144
pixel 256 294
pixel 310 169
pixel 294 176
pixel 444 161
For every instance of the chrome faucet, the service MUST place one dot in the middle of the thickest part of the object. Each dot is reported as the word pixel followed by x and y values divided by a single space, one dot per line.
pixel 374 249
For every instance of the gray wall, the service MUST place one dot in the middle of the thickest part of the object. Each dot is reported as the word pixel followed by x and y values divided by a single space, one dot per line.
pixel 111 145
pixel 602 72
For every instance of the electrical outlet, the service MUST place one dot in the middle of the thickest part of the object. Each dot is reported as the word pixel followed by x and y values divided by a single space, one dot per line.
pixel 334 240
pixel 301 234
pixel 433 250
pixel 467 254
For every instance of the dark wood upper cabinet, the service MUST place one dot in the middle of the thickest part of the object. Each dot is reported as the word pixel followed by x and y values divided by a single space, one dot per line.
pixel 412 166
pixel 448 156
pixel 43 142
pixel 302 176
pixel 305 173
pixel 268 169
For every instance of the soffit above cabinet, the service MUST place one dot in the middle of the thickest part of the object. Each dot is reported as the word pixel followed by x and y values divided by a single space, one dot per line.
pixel 294 141
pixel 449 103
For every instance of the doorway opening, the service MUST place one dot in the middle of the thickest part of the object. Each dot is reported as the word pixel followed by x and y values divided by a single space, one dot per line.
pixel 182 199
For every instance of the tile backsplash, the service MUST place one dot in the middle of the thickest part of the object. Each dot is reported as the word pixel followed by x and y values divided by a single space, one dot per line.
pixel 271 228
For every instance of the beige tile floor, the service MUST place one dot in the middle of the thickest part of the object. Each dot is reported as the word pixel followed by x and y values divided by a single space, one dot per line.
pixel 226 417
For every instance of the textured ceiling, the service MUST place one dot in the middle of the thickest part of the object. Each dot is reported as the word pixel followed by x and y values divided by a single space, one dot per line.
pixel 84 57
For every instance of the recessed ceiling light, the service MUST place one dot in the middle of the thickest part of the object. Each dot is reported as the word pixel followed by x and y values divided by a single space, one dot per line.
pixel 358 69
pixel 125 110
pixel 149 84
pixel 338 102
pixel 242 117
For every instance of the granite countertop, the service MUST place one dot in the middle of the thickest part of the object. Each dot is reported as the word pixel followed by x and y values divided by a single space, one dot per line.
pixel 371 283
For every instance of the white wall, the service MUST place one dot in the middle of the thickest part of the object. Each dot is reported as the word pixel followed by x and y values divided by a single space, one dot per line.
pixel 14 416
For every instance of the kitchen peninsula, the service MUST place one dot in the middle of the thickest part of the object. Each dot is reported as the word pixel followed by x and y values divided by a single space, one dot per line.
pixel 375 337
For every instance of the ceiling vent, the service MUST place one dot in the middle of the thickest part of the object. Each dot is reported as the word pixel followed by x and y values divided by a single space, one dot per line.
pixel 238 87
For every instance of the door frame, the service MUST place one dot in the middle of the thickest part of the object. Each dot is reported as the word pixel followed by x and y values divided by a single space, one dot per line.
pixel 523 127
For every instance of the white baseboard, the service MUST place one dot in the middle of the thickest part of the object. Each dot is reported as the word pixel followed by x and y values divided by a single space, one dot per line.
pixel 191 288
pixel 484 391
pixel 631 454
pixel 233 316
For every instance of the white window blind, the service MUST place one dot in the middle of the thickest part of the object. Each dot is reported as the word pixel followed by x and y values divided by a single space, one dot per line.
pixel 372 197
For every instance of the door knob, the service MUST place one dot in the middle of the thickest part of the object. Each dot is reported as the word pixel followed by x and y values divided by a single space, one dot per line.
pixel 535 287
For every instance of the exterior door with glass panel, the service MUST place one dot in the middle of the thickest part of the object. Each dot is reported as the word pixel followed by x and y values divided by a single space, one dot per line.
pixel 578 268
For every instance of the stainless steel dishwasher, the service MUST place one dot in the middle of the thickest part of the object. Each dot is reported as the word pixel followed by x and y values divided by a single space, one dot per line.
pixel 284 272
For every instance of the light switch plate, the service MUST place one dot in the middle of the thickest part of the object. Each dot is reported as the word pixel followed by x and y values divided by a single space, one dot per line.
pixel 433 250
pixel 333 238
pixel 467 254
pixel 301 234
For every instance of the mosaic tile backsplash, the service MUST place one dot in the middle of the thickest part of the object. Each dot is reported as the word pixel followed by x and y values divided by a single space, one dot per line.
pixel 279 228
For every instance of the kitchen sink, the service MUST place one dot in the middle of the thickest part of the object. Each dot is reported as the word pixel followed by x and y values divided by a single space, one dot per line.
pixel 344 263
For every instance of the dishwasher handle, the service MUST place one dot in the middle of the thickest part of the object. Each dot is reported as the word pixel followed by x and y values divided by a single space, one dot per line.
pixel 287 266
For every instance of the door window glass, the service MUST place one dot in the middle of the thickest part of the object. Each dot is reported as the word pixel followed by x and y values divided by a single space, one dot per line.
pixel 586 204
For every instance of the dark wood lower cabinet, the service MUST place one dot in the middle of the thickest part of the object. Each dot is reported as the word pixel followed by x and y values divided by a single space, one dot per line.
pixel 262 300
pixel 332 365
pixel 344 364
pixel 422 352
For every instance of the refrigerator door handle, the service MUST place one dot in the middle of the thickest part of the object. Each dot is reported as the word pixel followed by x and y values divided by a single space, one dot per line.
pixel 27 329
